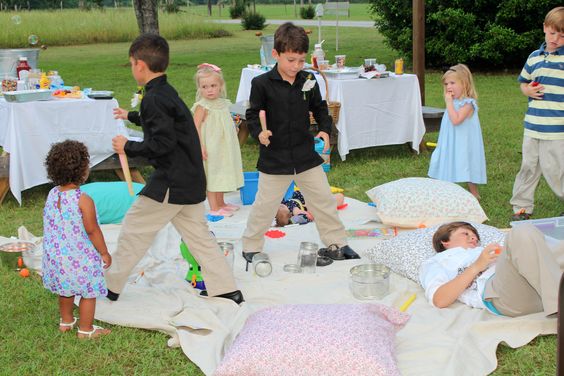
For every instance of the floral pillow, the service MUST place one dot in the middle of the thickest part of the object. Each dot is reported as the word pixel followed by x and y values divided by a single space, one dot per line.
pixel 415 202
pixel 316 339
pixel 405 253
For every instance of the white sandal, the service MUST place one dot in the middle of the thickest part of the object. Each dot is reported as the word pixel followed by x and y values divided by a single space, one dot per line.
pixel 67 325
pixel 96 332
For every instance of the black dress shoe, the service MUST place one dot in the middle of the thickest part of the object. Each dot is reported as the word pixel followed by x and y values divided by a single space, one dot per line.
pixel 334 252
pixel 236 296
pixel 112 295
pixel 338 253
pixel 248 256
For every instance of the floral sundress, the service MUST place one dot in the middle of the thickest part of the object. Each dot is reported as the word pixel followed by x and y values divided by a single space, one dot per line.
pixel 71 264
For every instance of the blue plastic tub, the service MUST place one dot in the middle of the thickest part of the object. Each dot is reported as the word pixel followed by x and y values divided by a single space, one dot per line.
pixel 249 190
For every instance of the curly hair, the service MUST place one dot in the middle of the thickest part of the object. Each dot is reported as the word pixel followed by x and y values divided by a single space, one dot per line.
pixel 67 162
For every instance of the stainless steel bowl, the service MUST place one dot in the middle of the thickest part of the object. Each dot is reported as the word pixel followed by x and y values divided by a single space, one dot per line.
pixel 370 281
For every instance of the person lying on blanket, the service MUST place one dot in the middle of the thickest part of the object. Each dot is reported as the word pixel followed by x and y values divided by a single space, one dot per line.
pixel 294 210
pixel 518 279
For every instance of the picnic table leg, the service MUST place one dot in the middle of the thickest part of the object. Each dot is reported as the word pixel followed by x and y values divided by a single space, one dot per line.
pixel 4 182
pixel 243 133
pixel 135 175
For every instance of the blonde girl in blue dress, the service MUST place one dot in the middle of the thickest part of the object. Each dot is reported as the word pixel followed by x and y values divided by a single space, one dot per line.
pixel 218 137
pixel 73 244
pixel 459 156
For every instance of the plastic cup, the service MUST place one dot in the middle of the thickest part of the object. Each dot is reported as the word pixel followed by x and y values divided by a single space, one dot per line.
pixel 340 61
pixel 227 251
pixel 323 64
pixel 369 65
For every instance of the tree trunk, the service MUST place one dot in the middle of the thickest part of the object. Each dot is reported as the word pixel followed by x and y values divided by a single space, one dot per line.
pixel 146 12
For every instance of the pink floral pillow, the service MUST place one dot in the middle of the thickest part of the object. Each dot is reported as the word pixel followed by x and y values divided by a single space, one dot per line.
pixel 316 339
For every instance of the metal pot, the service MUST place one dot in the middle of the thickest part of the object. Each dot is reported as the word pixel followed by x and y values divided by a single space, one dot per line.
pixel 9 60
pixel 370 281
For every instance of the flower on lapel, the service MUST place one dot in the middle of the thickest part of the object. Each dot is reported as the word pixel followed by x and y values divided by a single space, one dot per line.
pixel 137 96
pixel 308 85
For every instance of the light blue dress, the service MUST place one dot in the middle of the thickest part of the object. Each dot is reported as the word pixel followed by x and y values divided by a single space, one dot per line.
pixel 459 156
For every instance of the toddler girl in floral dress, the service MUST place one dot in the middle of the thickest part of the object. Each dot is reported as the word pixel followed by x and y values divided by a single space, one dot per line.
pixel 73 244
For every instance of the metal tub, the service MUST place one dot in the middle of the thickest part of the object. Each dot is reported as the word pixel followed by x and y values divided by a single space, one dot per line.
pixel 9 60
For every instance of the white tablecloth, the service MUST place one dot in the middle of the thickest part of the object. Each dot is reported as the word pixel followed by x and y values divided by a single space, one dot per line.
pixel 374 112
pixel 27 131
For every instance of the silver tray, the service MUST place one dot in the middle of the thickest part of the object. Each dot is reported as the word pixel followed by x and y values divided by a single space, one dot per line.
pixel 27 95
pixel 342 74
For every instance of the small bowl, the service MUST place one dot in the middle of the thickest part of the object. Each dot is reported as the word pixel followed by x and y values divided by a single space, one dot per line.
pixel 370 281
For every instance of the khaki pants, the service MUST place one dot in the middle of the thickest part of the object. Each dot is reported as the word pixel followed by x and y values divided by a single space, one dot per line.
pixel 318 198
pixel 544 157
pixel 527 274
pixel 140 226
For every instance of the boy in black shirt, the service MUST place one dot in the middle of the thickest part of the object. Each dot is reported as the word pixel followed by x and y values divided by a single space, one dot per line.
pixel 285 95
pixel 177 188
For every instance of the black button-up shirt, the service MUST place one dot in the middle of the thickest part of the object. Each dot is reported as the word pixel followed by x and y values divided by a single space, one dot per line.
pixel 171 143
pixel 287 107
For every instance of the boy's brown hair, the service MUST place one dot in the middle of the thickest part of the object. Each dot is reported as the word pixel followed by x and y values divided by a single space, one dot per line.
pixel 291 38
pixel 153 50
pixel 555 19
pixel 443 233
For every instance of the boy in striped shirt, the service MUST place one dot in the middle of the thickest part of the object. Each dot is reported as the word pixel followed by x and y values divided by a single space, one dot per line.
pixel 542 81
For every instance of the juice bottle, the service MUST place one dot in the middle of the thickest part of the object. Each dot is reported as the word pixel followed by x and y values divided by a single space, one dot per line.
pixel 398 66
pixel 317 55
pixel 22 66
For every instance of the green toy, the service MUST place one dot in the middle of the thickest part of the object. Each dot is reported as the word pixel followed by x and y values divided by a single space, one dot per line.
pixel 194 275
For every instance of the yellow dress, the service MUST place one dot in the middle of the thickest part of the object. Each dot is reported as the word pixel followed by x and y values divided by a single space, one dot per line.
pixel 224 169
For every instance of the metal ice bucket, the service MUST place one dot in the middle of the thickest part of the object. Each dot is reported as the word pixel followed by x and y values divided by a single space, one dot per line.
pixel 267 44
pixel 9 60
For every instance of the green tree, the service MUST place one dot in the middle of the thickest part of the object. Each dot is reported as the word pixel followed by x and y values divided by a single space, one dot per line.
pixel 482 33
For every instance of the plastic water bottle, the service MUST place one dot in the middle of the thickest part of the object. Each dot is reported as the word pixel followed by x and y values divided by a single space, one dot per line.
pixel 319 145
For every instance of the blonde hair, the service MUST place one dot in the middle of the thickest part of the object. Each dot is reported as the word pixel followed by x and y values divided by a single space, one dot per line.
pixel 462 74
pixel 555 19
pixel 206 71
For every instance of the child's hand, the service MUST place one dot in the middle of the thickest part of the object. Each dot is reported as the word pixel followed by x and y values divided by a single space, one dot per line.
pixel 534 90
pixel 326 142
pixel 118 143
pixel 120 113
pixel 107 259
pixel 488 256
pixel 449 97
pixel 264 137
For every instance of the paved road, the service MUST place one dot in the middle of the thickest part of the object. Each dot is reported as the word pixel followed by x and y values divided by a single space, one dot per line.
pixel 344 23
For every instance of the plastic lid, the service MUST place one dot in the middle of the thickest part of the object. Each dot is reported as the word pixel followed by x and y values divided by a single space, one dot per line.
pixel 23 58
pixel 317 45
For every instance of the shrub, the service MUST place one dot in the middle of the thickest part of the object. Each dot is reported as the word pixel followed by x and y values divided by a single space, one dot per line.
pixel 483 34
pixel 307 12
pixel 236 11
pixel 253 21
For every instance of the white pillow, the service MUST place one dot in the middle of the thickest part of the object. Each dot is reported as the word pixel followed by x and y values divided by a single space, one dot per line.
pixel 405 252
pixel 316 339
pixel 415 202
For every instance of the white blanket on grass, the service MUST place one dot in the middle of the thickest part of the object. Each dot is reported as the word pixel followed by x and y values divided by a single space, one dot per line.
pixel 455 341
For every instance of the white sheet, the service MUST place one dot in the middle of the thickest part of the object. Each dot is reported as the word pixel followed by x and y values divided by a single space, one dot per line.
pixel 453 341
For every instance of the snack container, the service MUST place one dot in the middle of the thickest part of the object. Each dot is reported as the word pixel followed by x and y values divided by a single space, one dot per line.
pixel 342 74
pixel 27 95
pixel 552 228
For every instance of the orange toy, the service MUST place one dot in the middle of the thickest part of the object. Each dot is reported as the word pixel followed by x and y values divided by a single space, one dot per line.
pixel 24 272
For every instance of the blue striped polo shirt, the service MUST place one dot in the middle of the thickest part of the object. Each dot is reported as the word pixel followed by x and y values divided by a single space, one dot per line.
pixel 545 118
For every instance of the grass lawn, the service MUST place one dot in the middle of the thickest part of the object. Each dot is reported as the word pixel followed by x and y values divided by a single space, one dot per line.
pixel 31 343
